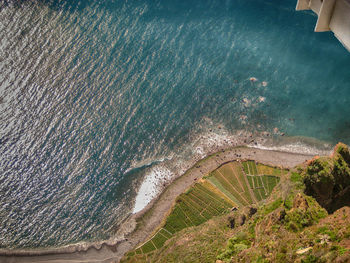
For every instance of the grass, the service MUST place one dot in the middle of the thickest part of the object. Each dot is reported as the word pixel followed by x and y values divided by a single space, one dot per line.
pixel 258 179
pixel 226 192
pixel 275 233
pixel 165 233
pixel 213 189
pixel 210 210
pixel 226 187
pixel 159 240
pixel 174 223
pixel 237 169
pixel 257 194
pixel 228 173
pixel 245 167
pixel 194 215
pixel 266 184
pixel 271 182
pixel 264 169
pixel 230 177
pixel 250 180
pixel 223 183
pixel 148 247
pixel 262 185
pixel 248 197
pixel 213 198
pixel 252 168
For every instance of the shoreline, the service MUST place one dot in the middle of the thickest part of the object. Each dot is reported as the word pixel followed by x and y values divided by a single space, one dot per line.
pixel 138 227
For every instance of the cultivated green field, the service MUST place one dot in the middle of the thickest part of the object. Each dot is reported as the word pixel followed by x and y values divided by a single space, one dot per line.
pixel 234 184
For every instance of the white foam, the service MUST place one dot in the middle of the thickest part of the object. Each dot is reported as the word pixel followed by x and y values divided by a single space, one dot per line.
pixel 297 147
pixel 212 138
pixel 151 186
pixel 146 162
pixel 177 163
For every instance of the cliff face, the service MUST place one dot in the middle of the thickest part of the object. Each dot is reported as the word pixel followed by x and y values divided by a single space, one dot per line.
pixel 328 179
pixel 291 225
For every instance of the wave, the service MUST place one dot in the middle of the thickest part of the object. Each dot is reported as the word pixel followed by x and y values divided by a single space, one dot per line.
pixel 139 165
pixel 208 139
pixel 160 172
pixel 296 144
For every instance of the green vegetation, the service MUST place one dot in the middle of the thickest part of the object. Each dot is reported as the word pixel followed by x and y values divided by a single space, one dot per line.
pixel 298 218
pixel 148 247
pixel 226 187
pixel 289 226
pixel 235 245
pixel 328 179
pixel 272 206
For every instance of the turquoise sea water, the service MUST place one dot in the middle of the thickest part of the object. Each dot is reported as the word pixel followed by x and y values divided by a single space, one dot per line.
pixel 95 95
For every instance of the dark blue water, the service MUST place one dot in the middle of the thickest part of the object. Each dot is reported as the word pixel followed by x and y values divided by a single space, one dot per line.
pixel 94 95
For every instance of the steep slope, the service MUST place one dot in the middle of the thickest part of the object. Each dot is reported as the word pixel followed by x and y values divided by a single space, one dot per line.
pixel 305 217
pixel 231 186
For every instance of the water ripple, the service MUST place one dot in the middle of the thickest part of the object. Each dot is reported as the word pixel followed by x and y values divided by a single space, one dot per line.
pixel 88 89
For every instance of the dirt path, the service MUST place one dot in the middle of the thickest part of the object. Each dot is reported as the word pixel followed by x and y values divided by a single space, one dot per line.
pixel 152 216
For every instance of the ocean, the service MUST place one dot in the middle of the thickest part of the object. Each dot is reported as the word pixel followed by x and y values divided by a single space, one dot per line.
pixel 104 102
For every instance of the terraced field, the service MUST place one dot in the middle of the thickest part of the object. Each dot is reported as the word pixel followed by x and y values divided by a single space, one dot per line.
pixel 234 184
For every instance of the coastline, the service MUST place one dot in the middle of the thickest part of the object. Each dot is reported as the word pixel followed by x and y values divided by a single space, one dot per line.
pixel 138 227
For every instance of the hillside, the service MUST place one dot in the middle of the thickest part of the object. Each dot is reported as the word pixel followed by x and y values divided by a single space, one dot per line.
pixel 250 212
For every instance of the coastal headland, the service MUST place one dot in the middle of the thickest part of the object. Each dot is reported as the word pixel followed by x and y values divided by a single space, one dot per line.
pixel 139 227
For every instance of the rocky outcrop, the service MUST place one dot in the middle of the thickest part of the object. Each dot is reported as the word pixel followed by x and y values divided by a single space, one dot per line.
pixel 328 179
pixel 239 217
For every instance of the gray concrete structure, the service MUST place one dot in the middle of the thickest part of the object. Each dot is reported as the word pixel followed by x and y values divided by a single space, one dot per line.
pixel 333 15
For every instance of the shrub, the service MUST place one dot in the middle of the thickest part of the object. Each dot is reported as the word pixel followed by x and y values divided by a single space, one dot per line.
pixel 327 178
pixel 272 206
pixel 310 259
pixel 235 245
pixel 296 219
pixel 288 203
pixel 325 231
pixel 339 249
pixel 296 177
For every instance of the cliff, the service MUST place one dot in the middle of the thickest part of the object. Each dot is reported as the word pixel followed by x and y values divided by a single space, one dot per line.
pixel 304 218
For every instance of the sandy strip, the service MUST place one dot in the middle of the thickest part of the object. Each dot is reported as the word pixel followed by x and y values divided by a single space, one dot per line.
pixel 152 216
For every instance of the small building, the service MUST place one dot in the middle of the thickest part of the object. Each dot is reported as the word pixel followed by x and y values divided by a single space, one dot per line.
pixel 333 15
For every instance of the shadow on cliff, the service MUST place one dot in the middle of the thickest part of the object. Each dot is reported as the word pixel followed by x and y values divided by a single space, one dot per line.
pixel 328 179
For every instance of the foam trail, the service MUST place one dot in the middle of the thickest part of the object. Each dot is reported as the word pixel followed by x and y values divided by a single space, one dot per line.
pixel 300 145
pixel 151 186
pixel 89 87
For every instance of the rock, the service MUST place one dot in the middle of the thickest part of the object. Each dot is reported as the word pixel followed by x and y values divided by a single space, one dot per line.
pixel 232 222
pixel 300 202
pixel 252 211
pixel 303 250
pixel 327 179
pixel 241 219
pixel 324 239
pixel 282 214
